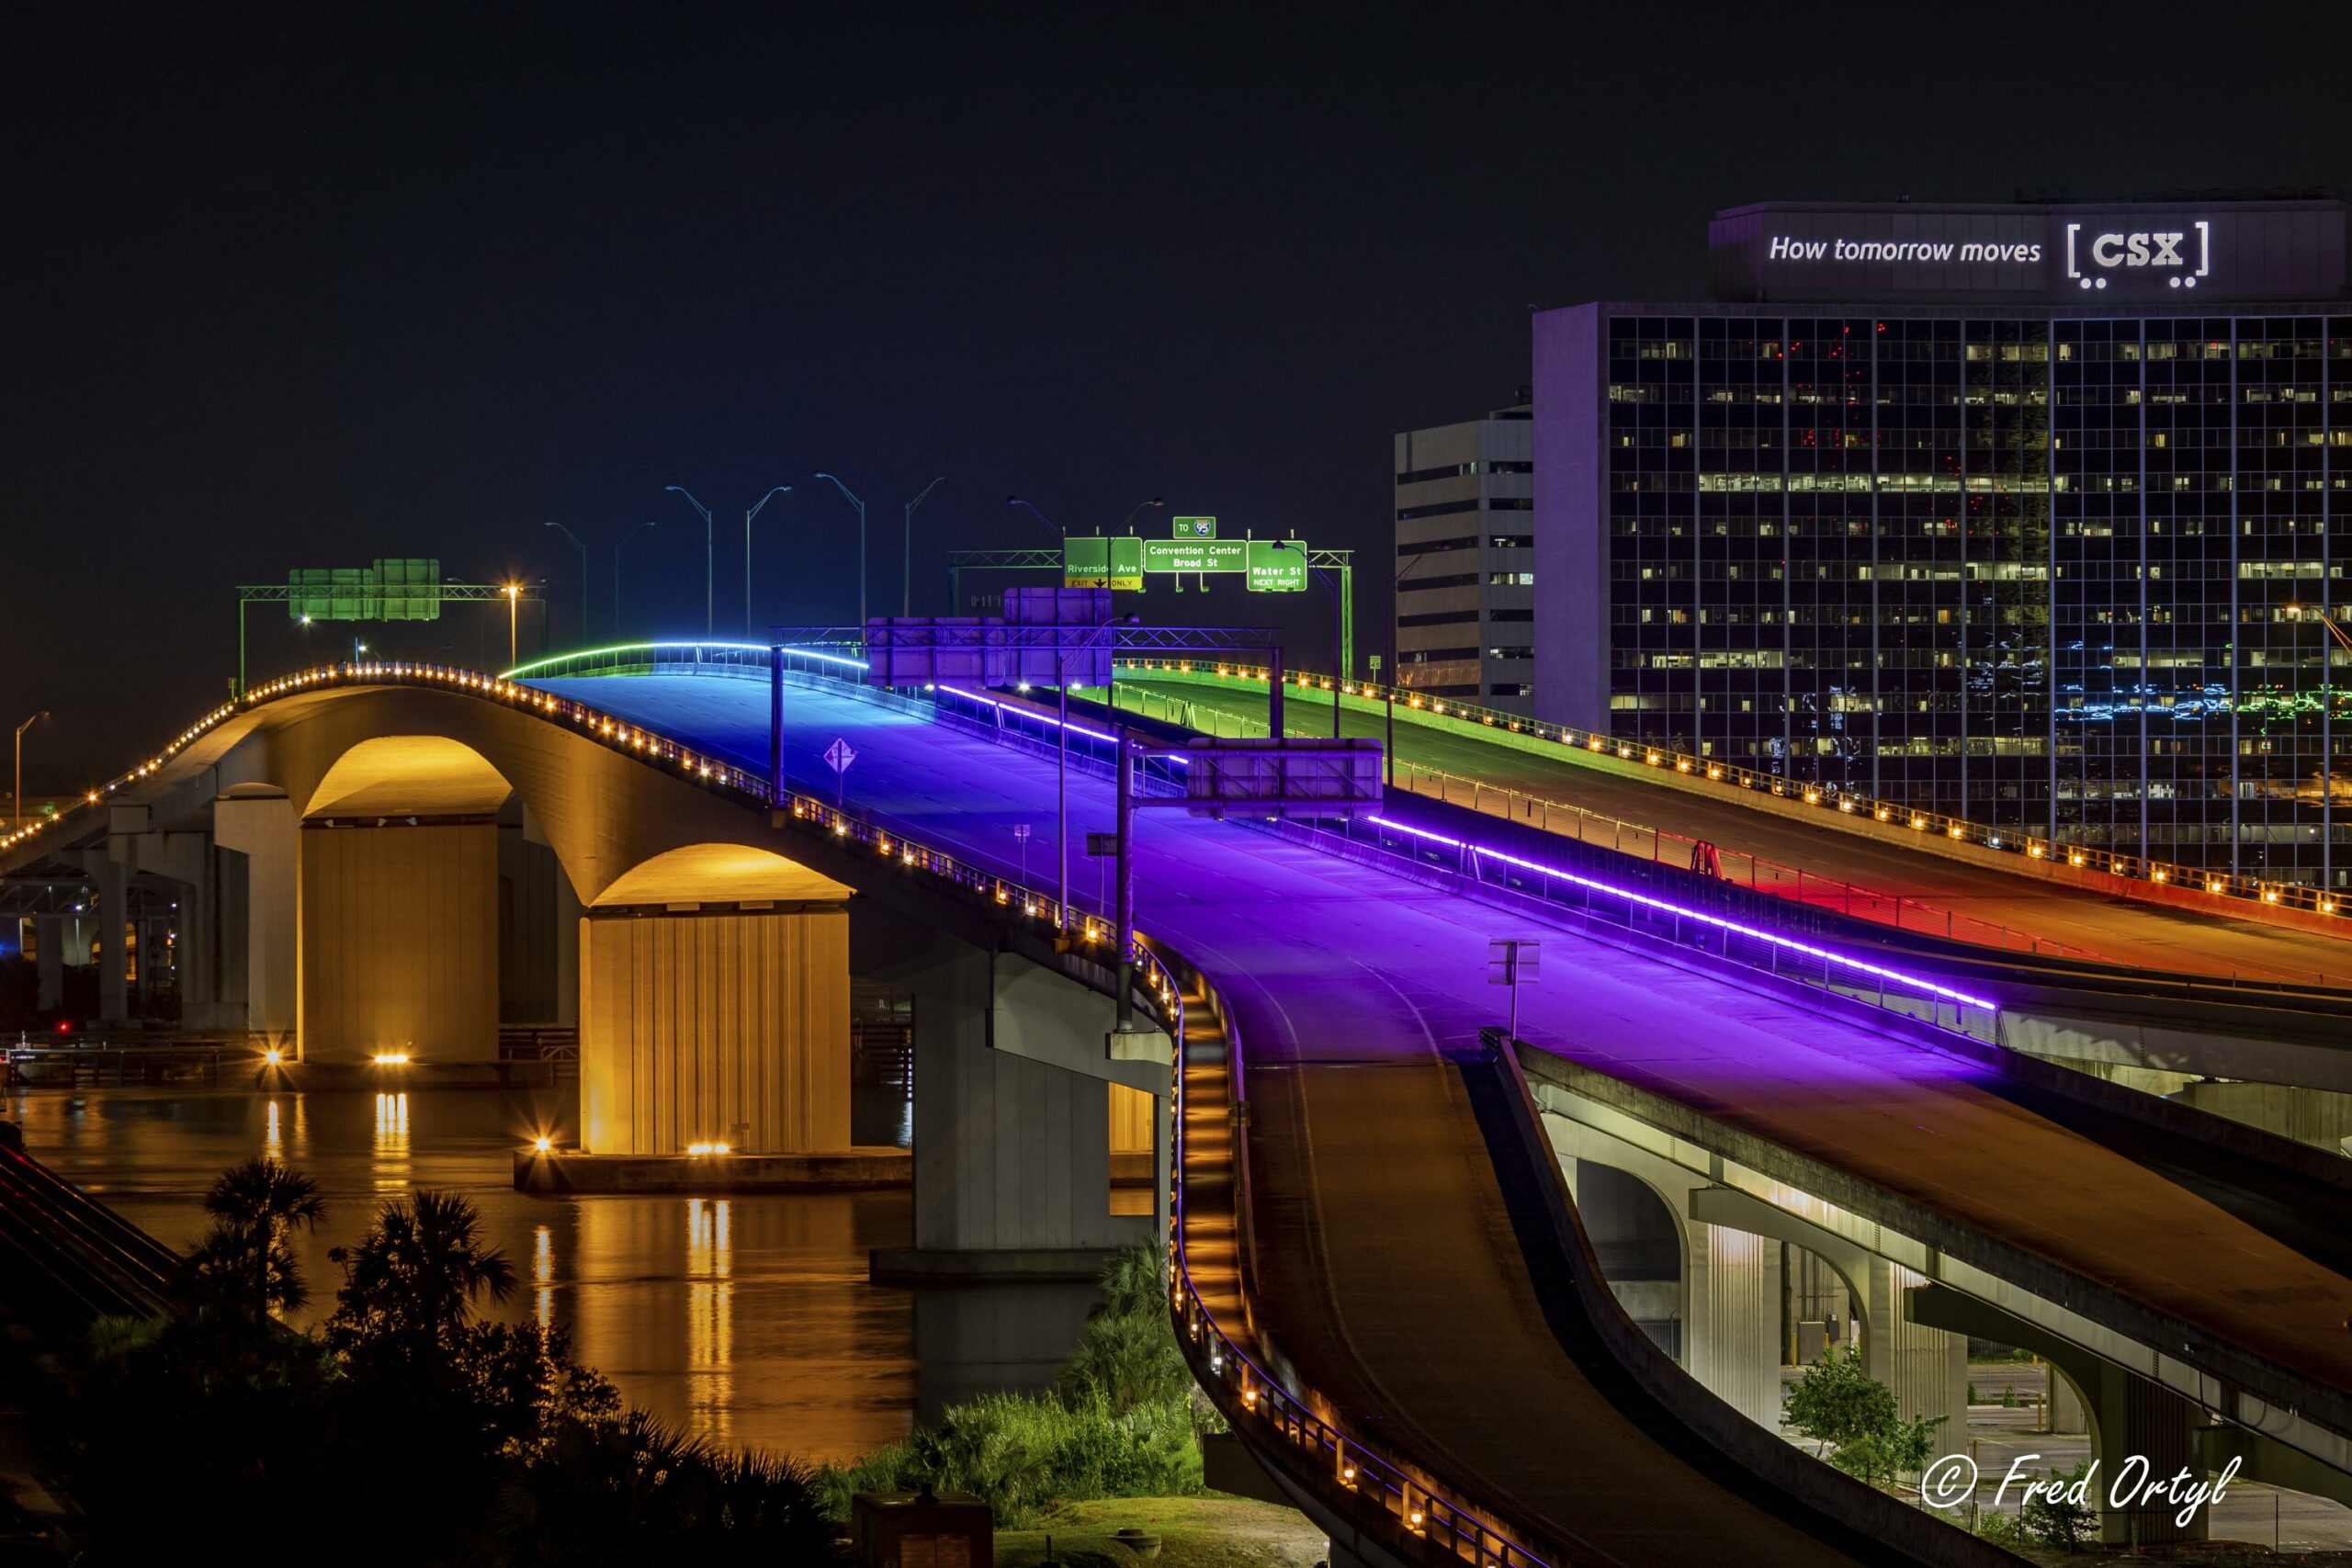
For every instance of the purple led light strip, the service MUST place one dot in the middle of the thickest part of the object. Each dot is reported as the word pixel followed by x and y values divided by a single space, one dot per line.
pixel 1790 943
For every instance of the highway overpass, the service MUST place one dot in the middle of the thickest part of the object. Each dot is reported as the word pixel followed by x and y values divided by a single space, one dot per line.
pixel 1799 845
pixel 1383 1271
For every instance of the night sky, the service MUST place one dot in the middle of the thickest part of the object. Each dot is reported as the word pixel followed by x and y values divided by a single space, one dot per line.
pixel 309 287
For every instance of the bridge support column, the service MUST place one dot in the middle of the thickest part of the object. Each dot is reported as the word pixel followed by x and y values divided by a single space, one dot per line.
pixel 729 1025
pixel 1012 1132
pixel 2132 1418
pixel 1925 1367
pixel 111 921
pixel 1727 1295
pixel 399 941
pixel 48 964
pixel 257 884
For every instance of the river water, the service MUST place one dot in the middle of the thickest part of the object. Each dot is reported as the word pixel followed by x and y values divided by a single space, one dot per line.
pixel 749 1321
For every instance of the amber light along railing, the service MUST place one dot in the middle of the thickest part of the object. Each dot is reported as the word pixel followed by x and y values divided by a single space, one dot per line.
pixel 1361 1481
pixel 2220 885
pixel 1416 1516
pixel 695 766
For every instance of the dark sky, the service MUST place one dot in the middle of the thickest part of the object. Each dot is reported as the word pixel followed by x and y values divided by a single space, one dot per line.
pixel 311 287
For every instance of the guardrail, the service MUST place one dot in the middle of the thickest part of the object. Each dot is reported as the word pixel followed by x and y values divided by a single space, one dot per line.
pixel 1586 900
pixel 1415 1516
pixel 1829 797
pixel 1644 841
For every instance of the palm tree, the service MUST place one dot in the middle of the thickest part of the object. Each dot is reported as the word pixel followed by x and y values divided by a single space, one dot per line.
pixel 246 1259
pixel 417 1274
pixel 262 1194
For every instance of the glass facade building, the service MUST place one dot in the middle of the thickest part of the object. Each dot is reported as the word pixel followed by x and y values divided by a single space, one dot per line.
pixel 1985 520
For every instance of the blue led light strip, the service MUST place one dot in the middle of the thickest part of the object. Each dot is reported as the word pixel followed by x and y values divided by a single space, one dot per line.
pixel 1790 943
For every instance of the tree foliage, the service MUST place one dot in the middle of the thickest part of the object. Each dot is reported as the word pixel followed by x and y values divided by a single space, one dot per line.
pixel 1838 1403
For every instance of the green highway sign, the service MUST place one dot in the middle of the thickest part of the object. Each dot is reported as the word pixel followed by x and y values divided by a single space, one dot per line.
pixel 1195 555
pixel 1195 528
pixel 1121 562
pixel 1278 570
pixel 1097 562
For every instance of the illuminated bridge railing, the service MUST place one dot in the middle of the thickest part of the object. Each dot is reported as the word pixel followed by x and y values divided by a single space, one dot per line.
pixel 1927 824
pixel 1414 1515
pixel 689 763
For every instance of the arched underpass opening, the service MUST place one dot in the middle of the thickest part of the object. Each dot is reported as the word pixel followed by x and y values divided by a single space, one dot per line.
pixel 714 986
pixel 408 937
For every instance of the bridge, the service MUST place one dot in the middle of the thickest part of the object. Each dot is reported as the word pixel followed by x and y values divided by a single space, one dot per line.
pixel 1387 1223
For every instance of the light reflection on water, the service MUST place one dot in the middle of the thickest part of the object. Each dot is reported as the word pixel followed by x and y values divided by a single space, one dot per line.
pixel 747 1320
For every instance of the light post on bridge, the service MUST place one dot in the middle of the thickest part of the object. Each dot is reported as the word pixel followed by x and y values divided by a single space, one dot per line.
pixel 710 561
pixel 754 512
pixel 624 539
pixel 1389 746
pixel 16 797
pixel 851 497
pixel 907 561
pixel 584 575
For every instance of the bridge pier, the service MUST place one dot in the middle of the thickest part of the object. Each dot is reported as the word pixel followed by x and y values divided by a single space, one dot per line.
pixel 720 1024
pixel 1725 1298
pixel 399 939
pixel 2131 1418
pixel 257 883
pixel 1012 1123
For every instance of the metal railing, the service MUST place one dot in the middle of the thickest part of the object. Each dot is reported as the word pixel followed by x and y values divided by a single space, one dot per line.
pixel 1827 796
pixel 1357 1480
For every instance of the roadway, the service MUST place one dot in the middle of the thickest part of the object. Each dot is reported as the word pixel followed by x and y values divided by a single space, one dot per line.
pixel 1389 1271
pixel 1982 901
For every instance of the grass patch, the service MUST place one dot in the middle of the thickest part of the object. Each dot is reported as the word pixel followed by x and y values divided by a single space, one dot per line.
pixel 1210 1530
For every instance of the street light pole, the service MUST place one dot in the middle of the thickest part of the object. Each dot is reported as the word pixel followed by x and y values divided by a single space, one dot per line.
pixel 747 552
pixel 1140 505
pixel 16 797
pixel 513 591
pixel 710 562
pixel 624 539
pixel 907 559
pixel 1388 746
pixel 584 576
pixel 1061 753
pixel 852 500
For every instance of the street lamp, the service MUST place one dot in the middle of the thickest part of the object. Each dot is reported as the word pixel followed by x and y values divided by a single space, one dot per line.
pixel 1059 532
pixel 624 539
pixel 1130 517
pixel 852 500
pixel 513 593
pixel 1061 750
pixel 710 561
pixel 907 559
pixel 1388 746
pixel 747 552
pixel 584 576
pixel 1337 630
pixel 17 799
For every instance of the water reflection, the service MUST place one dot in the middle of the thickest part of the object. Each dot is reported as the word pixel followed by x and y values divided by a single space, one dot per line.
pixel 391 1142
pixel 749 1320
pixel 543 1274
pixel 710 1315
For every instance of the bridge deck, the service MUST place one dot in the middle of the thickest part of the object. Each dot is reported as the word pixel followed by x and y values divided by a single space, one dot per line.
pixel 1392 1281
pixel 2084 924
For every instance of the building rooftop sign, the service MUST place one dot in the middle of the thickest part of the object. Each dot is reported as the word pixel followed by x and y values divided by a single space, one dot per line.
pixel 2129 253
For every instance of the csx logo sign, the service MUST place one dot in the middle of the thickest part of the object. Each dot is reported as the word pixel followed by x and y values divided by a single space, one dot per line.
pixel 2188 249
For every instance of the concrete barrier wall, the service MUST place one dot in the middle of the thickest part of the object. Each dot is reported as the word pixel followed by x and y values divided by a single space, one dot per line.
pixel 721 1027
pixel 398 933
